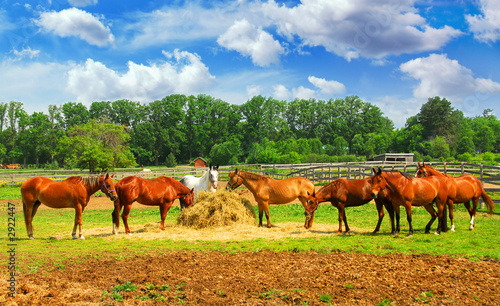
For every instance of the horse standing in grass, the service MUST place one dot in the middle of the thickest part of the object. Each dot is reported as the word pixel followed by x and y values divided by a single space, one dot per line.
pixel 462 189
pixel 161 191
pixel 73 192
pixel 344 193
pixel 409 191
pixel 267 190
pixel 208 181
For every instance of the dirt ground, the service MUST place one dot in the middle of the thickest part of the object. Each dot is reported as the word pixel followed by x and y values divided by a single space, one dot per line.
pixel 259 278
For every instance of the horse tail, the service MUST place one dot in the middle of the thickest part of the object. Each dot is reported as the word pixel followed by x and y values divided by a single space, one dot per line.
pixel 486 198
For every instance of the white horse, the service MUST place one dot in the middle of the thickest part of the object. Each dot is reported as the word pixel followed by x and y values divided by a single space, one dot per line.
pixel 208 181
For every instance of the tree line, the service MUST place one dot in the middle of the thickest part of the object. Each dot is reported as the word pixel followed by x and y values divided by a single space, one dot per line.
pixel 179 128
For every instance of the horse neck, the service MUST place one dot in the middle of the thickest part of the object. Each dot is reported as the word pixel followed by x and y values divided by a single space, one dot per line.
pixel 205 179
pixel 250 183
pixel 328 192
pixel 92 186
pixel 435 172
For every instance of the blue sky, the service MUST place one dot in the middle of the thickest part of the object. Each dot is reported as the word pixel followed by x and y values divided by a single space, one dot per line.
pixel 392 53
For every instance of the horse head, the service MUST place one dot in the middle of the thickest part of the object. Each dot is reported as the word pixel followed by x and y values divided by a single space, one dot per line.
pixel 213 175
pixel 188 199
pixel 312 205
pixel 235 180
pixel 422 170
pixel 378 182
pixel 108 187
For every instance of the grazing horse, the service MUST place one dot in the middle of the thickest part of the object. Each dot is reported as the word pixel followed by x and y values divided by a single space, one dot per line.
pixel 161 191
pixel 267 190
pixel 208 181
pixel 73 192
pixel 462 189
pixel 409 191
pixel 344 193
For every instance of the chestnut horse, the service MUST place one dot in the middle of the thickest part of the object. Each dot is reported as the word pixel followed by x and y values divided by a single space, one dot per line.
pixel 409 191
pixel 73 192
pixel 462 189
pixel 267 190
pixel 161 191
pixel 344 193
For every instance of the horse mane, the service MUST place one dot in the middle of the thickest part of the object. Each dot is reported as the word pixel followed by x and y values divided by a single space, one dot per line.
pixel 332 185
pixel 90 180
pixel 252 176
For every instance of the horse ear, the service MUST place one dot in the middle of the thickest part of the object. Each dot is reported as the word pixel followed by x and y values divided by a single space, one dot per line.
pixel 379 171
pixel 192 190
pixel 112 175
pixel 374 171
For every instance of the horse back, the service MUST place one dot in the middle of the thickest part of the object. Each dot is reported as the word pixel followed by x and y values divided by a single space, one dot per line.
pixel 55 194
pixel 284 191
pixel 149 191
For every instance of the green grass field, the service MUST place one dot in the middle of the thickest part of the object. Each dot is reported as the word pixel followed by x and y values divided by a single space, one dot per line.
pixel 482 243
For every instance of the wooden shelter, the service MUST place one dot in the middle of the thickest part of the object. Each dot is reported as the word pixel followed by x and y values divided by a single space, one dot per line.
pixel 200 162
pixel 394 157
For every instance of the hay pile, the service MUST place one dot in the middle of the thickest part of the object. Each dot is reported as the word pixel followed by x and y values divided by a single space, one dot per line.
pixel 213 209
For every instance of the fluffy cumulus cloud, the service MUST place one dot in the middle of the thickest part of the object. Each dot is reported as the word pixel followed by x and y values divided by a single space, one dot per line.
pixel 251 41
pixel 280 92
pixel 358 28
pixel 327 87
pixel 486 27
pixel 185 73
pixel 440 76
pixel 78 23
pixel 303 93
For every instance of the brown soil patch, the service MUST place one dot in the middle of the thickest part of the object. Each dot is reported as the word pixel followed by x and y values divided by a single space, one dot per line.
pixel 264 278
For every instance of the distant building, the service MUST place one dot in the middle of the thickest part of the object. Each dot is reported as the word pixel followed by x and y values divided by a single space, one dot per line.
pixel 394 157
pixel 200 162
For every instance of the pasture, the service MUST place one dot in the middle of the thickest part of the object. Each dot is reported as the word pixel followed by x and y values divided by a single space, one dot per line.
pixel 284 264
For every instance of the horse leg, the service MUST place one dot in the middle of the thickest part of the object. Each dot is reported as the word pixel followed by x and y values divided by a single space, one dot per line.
pixel 397 212
pixel 340 210
pixel 380 210
pixel 450 213
pixel 266 210
pixel 116 216
pixel 309 219
pixel 78 222
pixel 433 214
pixel 475 202
pixel 261 213
pixel 126 211
pixel 164 208
pixel 409 219
pixel 347 229
pixel 28 214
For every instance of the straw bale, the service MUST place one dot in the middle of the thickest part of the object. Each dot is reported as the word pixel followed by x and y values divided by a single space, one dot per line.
pixel 215 209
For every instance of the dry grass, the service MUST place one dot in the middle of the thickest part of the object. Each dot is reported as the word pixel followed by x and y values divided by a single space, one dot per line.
pixel 216 209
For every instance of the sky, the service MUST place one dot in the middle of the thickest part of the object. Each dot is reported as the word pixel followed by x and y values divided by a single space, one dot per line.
pixel 394 54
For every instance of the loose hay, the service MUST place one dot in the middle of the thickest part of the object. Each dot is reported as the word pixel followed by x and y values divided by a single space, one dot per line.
pixel 215 209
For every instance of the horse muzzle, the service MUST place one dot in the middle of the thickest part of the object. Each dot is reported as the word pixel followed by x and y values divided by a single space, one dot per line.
pixel 374 194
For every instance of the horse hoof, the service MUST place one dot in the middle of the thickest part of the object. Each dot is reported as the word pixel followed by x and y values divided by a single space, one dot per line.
pixel 437 233
pixel 82 238
pixel 453 228
pixel 31 237
pixel 75 237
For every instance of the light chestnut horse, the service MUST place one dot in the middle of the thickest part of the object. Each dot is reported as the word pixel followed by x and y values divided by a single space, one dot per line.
pixel 343 193
pixel 161 191
pixel 267 190
pixel 462 189
pixel 73 192
pixel 409 191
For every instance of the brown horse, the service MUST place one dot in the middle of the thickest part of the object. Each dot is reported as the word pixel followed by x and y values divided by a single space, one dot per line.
pixel 409 191
pixel 161 191
pixel 462 189
pixel 344 193
pixel 267 190
pixel 73 192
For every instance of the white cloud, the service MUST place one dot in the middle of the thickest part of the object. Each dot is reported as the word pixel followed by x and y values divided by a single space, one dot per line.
pixel 280 92
pixel 327 87
pixel 253 90
pixel 440 76
pixel 82 3
pixel 303 93
pixel 359 27
pixel 78 23
pixel 251 41
pixel 34 84
pixel 486 27
pixel 186 74
pixel 26 52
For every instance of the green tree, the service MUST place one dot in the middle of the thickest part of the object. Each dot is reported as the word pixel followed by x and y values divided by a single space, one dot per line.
pixel 340 146
pixel 438 118
pixel 97 146
pixel 440 147
pixel 465 145
pixel 226 153
pixel 74 114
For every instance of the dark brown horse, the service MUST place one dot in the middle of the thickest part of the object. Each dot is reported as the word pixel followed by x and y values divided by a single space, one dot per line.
pixel 462 189
pixel 161 191
pixel 409 191
pixel 267 190
pixel 344 193
pixel 73 192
